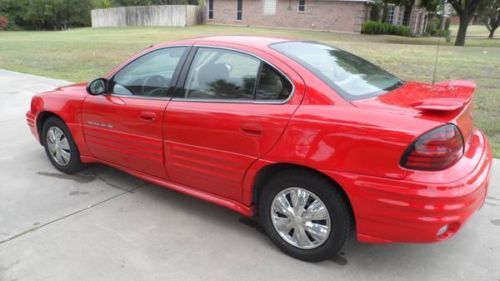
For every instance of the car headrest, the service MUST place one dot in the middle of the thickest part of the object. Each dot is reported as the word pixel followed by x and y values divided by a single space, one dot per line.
pixel 212 72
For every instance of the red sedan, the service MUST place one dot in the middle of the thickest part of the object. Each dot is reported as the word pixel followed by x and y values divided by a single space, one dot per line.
pixel 316 142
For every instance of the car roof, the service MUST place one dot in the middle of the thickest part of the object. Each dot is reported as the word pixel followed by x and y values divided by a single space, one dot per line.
pixel 252 41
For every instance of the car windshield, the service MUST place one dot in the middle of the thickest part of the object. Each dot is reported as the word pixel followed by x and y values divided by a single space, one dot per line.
pixel 349 75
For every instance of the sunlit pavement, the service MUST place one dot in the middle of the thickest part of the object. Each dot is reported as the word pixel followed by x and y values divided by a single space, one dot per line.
pixel 103 224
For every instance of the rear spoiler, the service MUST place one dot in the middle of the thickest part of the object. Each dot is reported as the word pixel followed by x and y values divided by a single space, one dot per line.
pixel 455 95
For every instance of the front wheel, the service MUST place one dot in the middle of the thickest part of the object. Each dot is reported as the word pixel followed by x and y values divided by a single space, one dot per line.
pixel 304 215
pixel 60 146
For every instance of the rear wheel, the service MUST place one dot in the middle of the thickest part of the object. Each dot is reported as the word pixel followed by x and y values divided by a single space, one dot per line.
pixel 60 146
pixel 304 215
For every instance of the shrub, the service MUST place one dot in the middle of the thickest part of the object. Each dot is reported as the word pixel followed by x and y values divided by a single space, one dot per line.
pixel 434 28
pixel 433 25
pixel 4 22
pixel 374 27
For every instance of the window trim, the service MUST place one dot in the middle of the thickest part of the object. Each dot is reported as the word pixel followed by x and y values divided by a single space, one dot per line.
pixel 187 66
pixel 303 6
pixel 173 81
pixel 257 80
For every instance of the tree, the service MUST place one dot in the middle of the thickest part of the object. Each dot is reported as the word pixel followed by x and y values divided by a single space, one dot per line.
pixel 39 15
pixel 375 12
pixel 431 5
pixel 489 13
pixel 101 4
pixel 465 10
pixel 14 10
pixel 48 14
pixel 63 14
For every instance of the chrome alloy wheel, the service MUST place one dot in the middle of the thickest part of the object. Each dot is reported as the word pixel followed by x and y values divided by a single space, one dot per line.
pixel 300 218
pixel 58 146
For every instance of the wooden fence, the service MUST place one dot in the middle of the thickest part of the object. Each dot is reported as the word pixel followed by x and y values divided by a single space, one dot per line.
pixel 165 15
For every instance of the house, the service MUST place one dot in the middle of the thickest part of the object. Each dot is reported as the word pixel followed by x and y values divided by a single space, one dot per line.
pixel 334 15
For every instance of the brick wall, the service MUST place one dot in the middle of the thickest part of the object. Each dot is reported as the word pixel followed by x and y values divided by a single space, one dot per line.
pixel 318 14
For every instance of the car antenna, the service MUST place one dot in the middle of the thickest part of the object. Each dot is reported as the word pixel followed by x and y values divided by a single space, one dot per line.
pixel 436 61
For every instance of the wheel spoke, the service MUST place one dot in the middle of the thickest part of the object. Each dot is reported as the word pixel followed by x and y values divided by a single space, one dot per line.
pixel 299 200
pixel 283 206
pixel 316 211
pixel 283 224
pixel 50 136
pixel 64 143
pixel 300 237
pixel 59 158
pixel 317 231
pixel 58 134
pixel 64 155
pixel 52 148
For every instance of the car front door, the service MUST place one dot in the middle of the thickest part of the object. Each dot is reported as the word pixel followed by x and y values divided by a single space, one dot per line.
pixel 231 109
pixel 125 127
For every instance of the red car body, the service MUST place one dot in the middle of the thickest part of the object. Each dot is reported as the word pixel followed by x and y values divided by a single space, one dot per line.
pixel 218 151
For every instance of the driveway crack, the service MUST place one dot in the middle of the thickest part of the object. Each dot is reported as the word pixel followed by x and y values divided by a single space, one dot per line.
pixel 104 180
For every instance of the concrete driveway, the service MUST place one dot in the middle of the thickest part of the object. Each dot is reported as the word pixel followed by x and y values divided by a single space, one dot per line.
pixel 105 225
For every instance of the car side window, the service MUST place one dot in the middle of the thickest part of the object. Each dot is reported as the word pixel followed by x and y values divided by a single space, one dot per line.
pixel 149 75
pixel 221 74
pixel 272 85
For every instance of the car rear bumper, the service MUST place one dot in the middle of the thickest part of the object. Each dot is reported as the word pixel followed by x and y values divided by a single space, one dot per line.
pixel 389 210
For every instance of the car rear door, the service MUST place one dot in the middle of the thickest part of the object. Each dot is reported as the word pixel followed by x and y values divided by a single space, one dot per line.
pixel 229 109
pixel 125 127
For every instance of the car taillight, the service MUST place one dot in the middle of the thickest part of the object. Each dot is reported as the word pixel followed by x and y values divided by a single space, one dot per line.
pixel 435 150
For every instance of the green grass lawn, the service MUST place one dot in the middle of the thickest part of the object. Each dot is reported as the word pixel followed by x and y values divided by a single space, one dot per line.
pixel 83 54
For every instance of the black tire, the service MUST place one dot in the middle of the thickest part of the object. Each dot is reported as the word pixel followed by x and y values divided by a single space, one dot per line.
pixel 74 164
pixel 340 218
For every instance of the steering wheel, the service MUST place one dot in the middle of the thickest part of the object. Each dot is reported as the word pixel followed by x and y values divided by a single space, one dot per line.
pixel 154 86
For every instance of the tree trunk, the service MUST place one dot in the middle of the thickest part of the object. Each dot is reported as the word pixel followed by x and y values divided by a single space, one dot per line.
pixel 443 22
pixel 462 30
pixel 492 33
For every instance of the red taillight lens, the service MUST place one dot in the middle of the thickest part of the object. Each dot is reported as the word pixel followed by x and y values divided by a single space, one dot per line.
pixel 435 150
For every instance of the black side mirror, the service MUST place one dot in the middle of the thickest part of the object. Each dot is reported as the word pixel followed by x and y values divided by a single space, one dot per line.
pixel 97 87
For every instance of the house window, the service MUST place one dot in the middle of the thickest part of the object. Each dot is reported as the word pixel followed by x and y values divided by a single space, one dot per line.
pixel 269 7
pixel 239 10
pixel 210 9
pixel 302 5
pixel 390 14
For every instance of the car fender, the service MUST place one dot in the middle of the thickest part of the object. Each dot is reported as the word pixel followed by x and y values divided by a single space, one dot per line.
pixel 65 103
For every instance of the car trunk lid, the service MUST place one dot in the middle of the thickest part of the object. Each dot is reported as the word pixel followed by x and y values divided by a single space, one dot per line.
pixel 446 102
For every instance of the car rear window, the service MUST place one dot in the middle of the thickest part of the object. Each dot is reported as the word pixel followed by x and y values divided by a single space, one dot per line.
pixel 349 75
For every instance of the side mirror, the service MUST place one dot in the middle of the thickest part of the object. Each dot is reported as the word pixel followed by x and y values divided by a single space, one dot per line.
pixel 97 87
